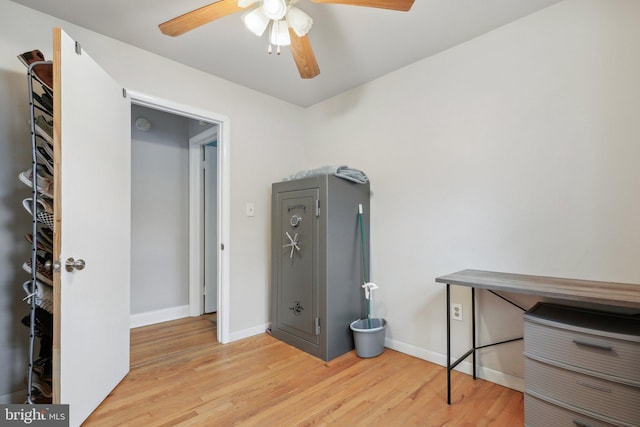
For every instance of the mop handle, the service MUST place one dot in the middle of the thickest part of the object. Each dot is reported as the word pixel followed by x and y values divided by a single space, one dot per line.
pixel 364 266
pixel 367 301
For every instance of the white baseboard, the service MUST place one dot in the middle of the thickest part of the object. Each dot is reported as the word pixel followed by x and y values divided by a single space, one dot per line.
pixel 16 397
pixel 246 333
pixel 158 316
pixel 488 374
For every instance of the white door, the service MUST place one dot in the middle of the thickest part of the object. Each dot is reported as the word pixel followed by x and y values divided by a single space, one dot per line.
pixel 210 228
pixel 92 208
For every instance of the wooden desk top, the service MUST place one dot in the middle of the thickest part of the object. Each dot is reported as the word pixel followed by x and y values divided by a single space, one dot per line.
pixel 616 294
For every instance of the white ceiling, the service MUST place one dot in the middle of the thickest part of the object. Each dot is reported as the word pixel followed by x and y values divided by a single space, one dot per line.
pixel 353 45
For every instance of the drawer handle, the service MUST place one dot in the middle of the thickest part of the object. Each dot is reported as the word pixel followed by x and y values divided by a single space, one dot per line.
pixel 595 387
pixel 594 345
pixel 581 423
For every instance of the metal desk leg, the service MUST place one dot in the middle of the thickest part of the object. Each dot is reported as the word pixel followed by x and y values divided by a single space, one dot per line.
pixel 473 328
pixel 472 351
pixel 448 345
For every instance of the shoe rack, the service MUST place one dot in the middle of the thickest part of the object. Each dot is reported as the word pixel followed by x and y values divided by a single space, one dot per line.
pixel 39 286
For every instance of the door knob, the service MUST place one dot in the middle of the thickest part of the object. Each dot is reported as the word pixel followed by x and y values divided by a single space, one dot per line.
pixel 70 264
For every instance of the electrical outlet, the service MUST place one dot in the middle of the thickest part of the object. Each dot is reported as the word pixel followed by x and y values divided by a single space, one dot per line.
pixel 456 311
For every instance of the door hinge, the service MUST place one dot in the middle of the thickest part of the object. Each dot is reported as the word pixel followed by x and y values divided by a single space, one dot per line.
pixel 318 207
pixel 78 49
pixel 124 92
pixel 317 322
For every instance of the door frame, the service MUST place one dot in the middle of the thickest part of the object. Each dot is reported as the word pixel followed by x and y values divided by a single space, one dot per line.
pixel 196 306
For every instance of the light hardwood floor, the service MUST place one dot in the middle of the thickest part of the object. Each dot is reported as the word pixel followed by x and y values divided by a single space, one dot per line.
pixel 181 376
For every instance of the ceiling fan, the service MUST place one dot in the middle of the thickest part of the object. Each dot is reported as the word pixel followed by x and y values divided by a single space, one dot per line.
pixel 289 25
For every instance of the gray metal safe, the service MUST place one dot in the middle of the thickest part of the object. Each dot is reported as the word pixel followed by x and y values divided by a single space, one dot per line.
pixel 317 262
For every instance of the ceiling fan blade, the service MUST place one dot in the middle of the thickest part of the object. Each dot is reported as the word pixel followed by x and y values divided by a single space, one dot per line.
pixel 303 55
pixel 195 18
pixel 401 5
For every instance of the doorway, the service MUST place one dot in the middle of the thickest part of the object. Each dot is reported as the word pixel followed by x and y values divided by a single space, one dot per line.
pixel 202 213
pixel 210 232
pixel 203 190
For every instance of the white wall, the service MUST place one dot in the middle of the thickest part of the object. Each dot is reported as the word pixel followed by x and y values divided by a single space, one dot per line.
pixel 517 151
pixel 263 148
pixel 159 212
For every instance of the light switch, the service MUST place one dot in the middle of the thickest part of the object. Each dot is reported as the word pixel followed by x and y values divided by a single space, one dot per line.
pixel 250 209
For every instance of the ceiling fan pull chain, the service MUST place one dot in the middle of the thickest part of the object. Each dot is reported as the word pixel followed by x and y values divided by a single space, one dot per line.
pixel 270 49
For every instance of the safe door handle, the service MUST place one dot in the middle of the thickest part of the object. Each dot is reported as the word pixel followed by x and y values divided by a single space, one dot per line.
pixel 593 345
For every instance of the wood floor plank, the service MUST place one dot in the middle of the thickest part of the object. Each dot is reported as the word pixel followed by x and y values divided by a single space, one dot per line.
pixel 181 376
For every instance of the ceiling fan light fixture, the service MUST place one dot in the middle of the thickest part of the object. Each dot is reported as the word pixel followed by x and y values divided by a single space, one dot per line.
pixel 299 21
pixel 256 21
pixel 274 9
pixel 279 35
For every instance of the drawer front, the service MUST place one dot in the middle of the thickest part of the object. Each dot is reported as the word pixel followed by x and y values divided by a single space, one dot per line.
pixel 610 356
pixel 538 413
pixel 584 392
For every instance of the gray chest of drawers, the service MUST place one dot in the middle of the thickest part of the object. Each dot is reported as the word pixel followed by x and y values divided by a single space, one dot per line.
pixel 582 367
